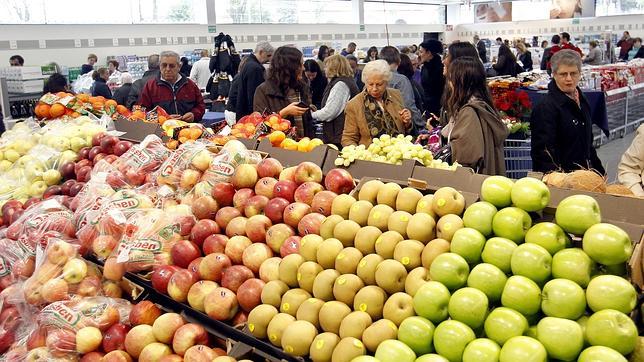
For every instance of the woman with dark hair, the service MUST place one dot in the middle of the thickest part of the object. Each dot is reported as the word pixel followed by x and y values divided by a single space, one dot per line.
pixel 100 88
pixel 185 67
pixel 56 83
pixel 457 50
pixel 323 53
pixel 475 131
pixel 285 91
pixel 372 54
pixel 506 63
pixel 407 69
pixel 317 81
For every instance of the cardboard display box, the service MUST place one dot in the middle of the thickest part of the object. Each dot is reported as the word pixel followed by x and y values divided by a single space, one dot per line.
pixel 137 131
pixel 290 158
pixel 360 169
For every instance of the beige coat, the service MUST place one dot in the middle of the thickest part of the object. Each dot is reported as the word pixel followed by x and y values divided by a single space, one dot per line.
pixel 356 131
pixel 630 171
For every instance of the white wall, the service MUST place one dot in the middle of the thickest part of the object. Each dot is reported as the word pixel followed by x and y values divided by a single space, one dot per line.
pixel 61 48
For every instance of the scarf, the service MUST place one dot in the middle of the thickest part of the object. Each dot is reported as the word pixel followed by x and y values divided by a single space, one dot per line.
pixel 378 120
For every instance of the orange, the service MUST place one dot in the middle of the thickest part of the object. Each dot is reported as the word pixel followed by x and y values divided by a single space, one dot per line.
pixel 138 115
pixel 194 133
pixel 57 110
pixel 62 94
pixel 68 112
pixel 162 119
pixel 289 144
pixel 111 103
pixel 183 139
pixel 173 144
pixel 42 110
pixel 303 144
pixel 276 137
pixel 184 133
pixel 75 114
pixel 83 97
pixel 99 106
pixel 123 110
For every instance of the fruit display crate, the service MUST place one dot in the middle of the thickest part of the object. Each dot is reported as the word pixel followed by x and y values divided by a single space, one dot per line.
pixel 290 158
pixel 360 169
pixel 242 343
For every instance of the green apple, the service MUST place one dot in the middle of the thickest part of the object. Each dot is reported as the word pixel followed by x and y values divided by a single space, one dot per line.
pixel 523 349
pixel 503 324
pixel 583 321
pixel 521 294
pixel 365 359
pixel 531 332
pixel 489 279
pixel 532 261
pixel 497 190
pixel 432 357
pixel 607 244
pixel 600 354
pixel 530 194
pixel 575 214
pixel 611 328
pixel 393 350
pixel 611 292
pixel 573 264
pixel 431 301
pixel 481 350
pixel 417 333
pixel 563 298
pixel 450 269
pixel 498 252
pixel 468 243
pixel 450 339
pixel 51 177
pixel 479 216
pixel 511 223
pixel 562 338
pixel 468 305
pixel 37 188
pixel 617 269
pixel 549 235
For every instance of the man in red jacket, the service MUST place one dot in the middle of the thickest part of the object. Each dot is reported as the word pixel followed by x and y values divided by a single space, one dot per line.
pixel 176 94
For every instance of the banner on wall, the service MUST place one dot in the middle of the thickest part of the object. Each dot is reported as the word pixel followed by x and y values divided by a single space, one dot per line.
pixel 493 12
pixel 566 9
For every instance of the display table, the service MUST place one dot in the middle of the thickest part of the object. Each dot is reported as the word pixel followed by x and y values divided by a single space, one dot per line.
pixel 596 100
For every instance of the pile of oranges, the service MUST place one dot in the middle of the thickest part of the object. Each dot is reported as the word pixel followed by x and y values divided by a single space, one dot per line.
pixel 279 139
pixel 80 102
pixel 276 123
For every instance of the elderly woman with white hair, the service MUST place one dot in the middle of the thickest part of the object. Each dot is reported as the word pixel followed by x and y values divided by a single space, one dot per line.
pixel 121 93
pixel 377 110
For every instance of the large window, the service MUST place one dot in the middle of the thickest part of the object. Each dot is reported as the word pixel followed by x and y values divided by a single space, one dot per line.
pixel 284 12
pixel 102 12
pixel 411 12
pixel 618 7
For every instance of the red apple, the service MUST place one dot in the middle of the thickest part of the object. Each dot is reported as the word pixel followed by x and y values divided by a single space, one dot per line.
pixel 223 193
pixel 121 147
pixel 189 335
pixel 274 209
pixel 265 187
pixel 288 174
pixel 308 172
pixel 55 190
pixel 255 205
pixel 214 244
pixel 84 174
pixel 36 338
pixel 184 252
pixel 11 204
pixel 241 198
pixel 96 139
pixel 180 283
pixel 94 151
pixel 186 223
pixel 111 158
pixel 235 248
pixel 234 276
pixel 236 226
pixel 83 153
pixel 269 167
pixel 144 312
pixel 114 337
pixel 295 212
pixel 193 267
pixel 290 246
pixel 203 229
pixel 76 188
pixel 339 181
pixel 221 304
pixel 225 214
pixel 135 177
pixel 61 342
pixel 310 224
pixel 277 234
pixel 205 207
pixel 99 157
pixel 108 142
pixel 249 294
pixel 322 202
pixel 245 176
pixel 285 189
pixel 256 227
pixel 92 357
pixel 213 265
pixel 306 192
pixel 240 318
pixel 255 254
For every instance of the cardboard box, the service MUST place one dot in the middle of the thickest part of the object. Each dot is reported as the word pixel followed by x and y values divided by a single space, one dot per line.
pixel 290 158
pixel 360 168
pixel 137 131
pixel 462 179
pixel 249 143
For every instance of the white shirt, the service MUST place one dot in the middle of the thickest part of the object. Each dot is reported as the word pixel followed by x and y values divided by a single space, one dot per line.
pixel 335 104
pixel 200 72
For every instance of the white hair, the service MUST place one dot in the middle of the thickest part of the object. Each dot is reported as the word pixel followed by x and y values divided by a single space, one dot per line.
pixel 412 56
pixel 264 46
pixel 170 53
pixel 379 66
pixel 126 78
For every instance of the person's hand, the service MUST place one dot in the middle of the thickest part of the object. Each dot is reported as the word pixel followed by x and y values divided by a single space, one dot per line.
pixel 188 117
pixel 292 110
pixel 405 117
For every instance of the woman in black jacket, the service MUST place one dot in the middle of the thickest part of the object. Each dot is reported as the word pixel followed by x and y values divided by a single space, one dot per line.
pixel 100 88
pixel 506 63
pixel 432 75
pixel 317 79
pixel 524 56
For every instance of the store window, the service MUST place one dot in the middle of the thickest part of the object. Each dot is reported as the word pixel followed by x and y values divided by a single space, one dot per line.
pixel 410 12
pixel 618 7
pixel 284 12
pixel 22 12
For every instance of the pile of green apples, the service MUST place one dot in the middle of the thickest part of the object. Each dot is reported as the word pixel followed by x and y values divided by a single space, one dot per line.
pixel 399 276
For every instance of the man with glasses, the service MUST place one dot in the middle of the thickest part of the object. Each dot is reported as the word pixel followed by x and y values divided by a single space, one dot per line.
pixel 562 137
pixel 176 94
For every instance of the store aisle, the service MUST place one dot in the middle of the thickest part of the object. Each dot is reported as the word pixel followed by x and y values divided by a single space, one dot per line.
pixel 612 152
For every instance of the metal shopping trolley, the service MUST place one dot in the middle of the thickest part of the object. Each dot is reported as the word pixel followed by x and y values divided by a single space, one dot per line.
pixel 518 161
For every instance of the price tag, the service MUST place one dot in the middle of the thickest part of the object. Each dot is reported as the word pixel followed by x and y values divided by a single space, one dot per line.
pixel 131 41
pixel 90 42
pixel 77 43
pixel 144 41
pixel 42 44
pixel 158 41
pixel 115 42
pixel 13 44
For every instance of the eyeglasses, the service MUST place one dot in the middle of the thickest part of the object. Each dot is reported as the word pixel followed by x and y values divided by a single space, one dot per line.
pixel 568 74
pixel 169 65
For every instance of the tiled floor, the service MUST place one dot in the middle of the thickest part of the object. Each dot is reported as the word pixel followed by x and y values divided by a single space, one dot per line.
pixel 611 153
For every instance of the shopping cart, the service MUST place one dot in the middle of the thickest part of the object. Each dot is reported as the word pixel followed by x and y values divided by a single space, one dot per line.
pixel 517 158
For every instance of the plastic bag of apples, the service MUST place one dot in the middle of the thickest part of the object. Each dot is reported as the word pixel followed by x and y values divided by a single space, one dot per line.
pixel 231 155
pixel 17 263
pixel 183 170
pixel 136 166
pixel 41 220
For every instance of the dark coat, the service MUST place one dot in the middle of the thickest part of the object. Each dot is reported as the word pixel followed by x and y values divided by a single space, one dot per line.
pixel 137 86
pixel 86 68
pixel 100 88
pixel 121 94
pixel 526 60
pixel 506 66
pixel 545 59
pixel 640 53
pixel 181 98
pixel 358 79
pixel 233 93
pixel 318 85
pixel 562 137
pixel 251 76
pixel 480 47
pixel 270 99
pixel 333 129
pixel 433 82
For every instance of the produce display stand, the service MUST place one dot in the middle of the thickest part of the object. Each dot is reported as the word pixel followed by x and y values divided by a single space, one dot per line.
pixel 360 169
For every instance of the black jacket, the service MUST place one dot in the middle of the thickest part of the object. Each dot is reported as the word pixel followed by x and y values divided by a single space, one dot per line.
pixel 526 60
pixel 506 66
pixel 121 94
pixel 433 82
pixel 640 53
pixel 100 88
pixel 358 79
pixel 480 47
pixel 318 85
pixel 562 137
pixel 137 86
pixel 251 76
pixel 231 104
pixel 545 58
